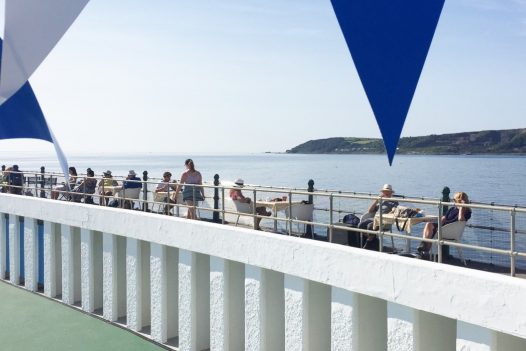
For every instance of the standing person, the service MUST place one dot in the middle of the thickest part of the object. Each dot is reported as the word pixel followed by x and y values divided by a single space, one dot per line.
pixel 372 242
pixel 453 214
pixel 193 192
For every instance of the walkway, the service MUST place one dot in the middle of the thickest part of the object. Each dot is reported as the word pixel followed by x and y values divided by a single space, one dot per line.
pixel 30 322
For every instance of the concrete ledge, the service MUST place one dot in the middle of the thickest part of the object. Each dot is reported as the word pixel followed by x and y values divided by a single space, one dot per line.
pixel 485 299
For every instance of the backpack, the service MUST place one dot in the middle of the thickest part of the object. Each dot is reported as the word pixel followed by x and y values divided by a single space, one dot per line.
pixel 113 203
pixel 351 219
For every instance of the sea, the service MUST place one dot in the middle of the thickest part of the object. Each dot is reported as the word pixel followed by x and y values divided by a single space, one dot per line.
pixel 486 179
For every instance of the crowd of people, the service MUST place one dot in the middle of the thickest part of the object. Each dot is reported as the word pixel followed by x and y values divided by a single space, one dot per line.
pixel 78 189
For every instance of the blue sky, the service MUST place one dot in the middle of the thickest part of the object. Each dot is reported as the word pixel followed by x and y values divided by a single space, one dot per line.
pixel 239 76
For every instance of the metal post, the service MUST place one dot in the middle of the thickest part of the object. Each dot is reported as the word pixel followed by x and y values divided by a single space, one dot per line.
pixel 223 205
pixel 36 185
pixel 215 216
pixel 445 198
pixel 309 230
pixel 512 243
pixel 381 228
pixel 331 207
pixel 145 191
pixel 290 213
pixel 439 232
pixel 42 181
pixel 254 209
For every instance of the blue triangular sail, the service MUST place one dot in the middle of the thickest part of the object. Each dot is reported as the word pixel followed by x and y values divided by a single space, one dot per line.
pixel 389 41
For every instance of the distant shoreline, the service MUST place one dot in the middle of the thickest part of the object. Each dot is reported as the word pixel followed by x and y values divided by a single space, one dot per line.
pixel 488 142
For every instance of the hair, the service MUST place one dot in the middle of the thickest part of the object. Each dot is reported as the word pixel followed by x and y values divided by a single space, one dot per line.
pixel 190 163
pixel 73 171
pixel 90 172
pixel 167 174
pixel 460 195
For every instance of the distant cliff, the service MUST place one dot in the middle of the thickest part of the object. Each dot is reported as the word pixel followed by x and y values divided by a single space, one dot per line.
pixel 511 141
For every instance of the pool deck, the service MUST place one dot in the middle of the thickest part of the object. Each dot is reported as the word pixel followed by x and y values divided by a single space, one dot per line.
pixel 30 322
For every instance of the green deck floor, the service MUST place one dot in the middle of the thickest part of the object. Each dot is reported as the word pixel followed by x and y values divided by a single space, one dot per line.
pixel 29 322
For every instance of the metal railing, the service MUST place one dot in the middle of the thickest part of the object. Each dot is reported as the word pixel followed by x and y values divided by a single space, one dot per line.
pixel 216 205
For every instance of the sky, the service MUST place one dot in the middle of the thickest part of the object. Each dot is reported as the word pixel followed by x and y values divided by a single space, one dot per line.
pixel 248 76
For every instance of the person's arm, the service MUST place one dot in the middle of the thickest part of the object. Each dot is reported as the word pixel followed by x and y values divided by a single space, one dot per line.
pixel 374 207
pixel 201 183
pixel 182 181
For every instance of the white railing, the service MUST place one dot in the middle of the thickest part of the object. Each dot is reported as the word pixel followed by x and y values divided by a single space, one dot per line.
pixel 505 225
pixel 200 285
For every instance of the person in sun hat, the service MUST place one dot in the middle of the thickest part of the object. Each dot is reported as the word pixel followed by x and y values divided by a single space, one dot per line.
pixel 367 220
pixel 105 187
pixel 132 181
pixel 237 195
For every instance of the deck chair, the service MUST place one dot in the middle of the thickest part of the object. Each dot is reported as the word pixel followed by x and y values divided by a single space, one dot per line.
pixel 453 232
pixel 130 195
pixel 241 207
pixel 300 212
pixel 163 197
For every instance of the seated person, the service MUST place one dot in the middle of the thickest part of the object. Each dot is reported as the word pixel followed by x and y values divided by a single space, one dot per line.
pixel 131 182
pixel 105 185
pixel 86 186
pixel 166 186
pixel 372 242
pixel 60 189
pixel 15 180
pixel 237 195
pixel 5 179
pixel 453 214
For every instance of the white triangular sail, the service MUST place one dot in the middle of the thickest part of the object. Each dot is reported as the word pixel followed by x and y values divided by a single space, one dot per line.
pixel 32 29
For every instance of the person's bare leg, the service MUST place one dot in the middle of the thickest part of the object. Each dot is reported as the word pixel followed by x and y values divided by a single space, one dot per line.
pixel 190 214
pixel 428 234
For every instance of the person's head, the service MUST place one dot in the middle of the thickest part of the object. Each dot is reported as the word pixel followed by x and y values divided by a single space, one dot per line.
pixel 90 173
pixel 239 183
pixel 72 171
pixel 15 168
pixel 131 174
pixel 461 197
pixel 189 163
pixel 387 190
pixel 107 174
pixel 167 176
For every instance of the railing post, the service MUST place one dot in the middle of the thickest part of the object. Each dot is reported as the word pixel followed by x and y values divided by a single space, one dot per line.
pixel 331 208
pixel 215 216
pixel 254 214
pixel 145 191
pixel 439 232
pixel 512 242
pixel 445 198
pixel 309 230
pixel 43 182
pixel 381 228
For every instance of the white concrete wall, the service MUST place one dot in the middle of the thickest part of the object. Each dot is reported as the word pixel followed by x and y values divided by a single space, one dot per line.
pixel 233 288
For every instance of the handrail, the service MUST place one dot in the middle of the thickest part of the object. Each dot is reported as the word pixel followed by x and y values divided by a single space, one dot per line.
pixel 330 196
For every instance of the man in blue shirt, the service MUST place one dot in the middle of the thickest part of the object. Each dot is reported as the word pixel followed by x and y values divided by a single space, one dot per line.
pixel 132 181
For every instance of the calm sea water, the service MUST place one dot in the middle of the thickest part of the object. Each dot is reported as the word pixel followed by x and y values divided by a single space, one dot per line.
pixel 496 179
